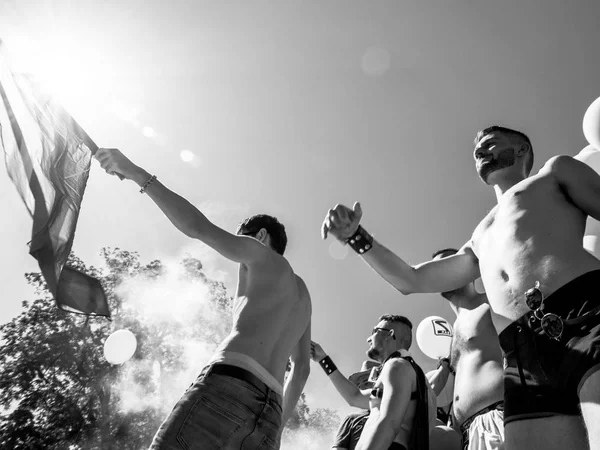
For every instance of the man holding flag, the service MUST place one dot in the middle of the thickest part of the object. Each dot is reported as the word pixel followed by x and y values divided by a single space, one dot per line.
pixel 48 158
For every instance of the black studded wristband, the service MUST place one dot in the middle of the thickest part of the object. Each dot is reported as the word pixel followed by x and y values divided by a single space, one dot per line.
pixel 361 241
pixel 328 365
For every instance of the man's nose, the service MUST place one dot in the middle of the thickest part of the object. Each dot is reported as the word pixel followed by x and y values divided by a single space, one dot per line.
pixel 480 153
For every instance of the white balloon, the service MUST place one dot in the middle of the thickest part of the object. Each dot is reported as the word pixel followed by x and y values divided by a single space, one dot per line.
pixel 434 335
pixel 591 240
pixel 445 397
pixel 120 346
pixel 591 124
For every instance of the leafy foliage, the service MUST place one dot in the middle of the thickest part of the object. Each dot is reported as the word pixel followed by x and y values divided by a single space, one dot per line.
pixel 57 391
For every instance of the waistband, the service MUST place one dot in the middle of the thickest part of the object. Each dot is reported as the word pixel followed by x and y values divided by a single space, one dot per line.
pixel 241 374
pixel 573 298
pixel 250 365
pixel 464 428
pixel 573 302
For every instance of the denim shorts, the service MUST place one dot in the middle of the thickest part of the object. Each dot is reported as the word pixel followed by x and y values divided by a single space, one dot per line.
pixel 223 412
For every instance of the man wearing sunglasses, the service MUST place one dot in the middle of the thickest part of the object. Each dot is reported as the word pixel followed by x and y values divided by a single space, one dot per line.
pixel 542 285
pixel 238 400
pixel 402 404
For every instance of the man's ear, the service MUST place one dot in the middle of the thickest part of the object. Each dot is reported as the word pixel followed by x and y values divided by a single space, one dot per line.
pixel 393 334
pixel 261 235
pixel 523 149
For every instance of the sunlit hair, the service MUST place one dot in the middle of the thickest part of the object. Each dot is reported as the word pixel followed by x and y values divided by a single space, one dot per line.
pixel 395 318
pixel 444 252
pixel 275 229
pixel 516 137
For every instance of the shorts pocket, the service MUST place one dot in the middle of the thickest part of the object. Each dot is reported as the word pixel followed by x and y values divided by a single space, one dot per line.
pixel 210 424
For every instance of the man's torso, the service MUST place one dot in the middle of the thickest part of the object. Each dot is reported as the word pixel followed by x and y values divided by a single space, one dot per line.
pixel 271 312
pixel 477 360
pixel 534 234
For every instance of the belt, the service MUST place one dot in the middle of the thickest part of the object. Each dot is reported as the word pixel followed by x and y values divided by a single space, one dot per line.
pixel 237 372
pixel 464 428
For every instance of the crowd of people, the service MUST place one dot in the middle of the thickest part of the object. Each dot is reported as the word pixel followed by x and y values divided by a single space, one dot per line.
pixel 524 359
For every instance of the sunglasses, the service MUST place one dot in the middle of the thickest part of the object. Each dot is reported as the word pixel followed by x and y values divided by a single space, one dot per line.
pixel 552 325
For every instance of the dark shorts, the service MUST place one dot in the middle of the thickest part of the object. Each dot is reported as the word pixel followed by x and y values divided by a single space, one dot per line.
pixel 225 408
pixel 543 376
pixel 396 446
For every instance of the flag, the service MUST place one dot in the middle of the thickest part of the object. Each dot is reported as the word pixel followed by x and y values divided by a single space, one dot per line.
pixel 48 157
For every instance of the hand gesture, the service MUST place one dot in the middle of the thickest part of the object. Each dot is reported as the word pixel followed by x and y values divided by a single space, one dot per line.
pixel 341 222
pixel 115 162
pixel 316 352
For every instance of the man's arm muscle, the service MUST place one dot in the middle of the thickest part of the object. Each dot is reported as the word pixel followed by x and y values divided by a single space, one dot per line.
pixel 398 378
pixel 441 275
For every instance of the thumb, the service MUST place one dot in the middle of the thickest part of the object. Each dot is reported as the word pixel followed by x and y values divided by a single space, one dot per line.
pixel 357 209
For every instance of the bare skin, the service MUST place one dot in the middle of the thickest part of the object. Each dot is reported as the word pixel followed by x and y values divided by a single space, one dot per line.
pixel 534 233
pixel 272 306
pixel 477 360
pixel 391 417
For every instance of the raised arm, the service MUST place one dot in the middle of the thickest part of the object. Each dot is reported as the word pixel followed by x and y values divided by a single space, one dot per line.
pixel 185 216
pixel 441 275
pixel 299 372
pixel 347 389
pixel 398 381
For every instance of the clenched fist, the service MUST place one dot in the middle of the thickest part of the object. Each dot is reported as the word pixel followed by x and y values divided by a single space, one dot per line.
pixel 341 222
pixel 116 163
pixel 316 352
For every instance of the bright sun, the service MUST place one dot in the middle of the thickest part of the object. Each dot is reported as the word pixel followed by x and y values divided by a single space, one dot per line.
pixel 65 68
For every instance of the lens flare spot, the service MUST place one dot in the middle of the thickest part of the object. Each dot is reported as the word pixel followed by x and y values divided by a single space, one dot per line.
pixel 187 156
pixel 120 346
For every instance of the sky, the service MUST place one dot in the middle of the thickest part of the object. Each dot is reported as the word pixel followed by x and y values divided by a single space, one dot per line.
pixel 289 108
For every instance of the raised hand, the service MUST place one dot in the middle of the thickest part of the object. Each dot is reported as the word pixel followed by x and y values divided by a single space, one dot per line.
pixel 115 163
pixel 316 352
pixel 341 222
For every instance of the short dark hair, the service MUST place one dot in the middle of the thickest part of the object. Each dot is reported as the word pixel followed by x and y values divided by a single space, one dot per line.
pixel 395 318
pixel 444 252
pixel 275 229
pixel 512 134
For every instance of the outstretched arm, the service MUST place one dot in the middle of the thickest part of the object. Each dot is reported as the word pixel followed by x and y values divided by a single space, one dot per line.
pixel 441 275
pixel 398 380
pixel 185 216
pixel 347 389
pixel 299 372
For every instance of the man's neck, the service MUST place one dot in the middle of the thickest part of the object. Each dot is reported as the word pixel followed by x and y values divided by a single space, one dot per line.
pixel 504 185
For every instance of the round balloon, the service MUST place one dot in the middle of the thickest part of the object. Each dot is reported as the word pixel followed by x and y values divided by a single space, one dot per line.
pixel 591 124
pixel 434 335
pixel 120 346
pixel 591 240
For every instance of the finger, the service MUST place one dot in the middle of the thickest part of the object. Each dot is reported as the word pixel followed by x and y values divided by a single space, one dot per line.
pixel 357 210
pixel 335 220
pixel 342 213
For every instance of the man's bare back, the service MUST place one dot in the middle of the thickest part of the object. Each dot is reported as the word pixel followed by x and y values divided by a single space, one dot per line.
pixel 272 310
pixel 535 233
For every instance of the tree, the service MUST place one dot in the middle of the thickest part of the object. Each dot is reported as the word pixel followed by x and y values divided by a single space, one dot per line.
pixel 56 387
pixel 58 391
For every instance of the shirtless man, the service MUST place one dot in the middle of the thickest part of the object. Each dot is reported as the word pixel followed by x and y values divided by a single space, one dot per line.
pixel 541 284
pixel 401 402
pixel 237 399
pixel 476 359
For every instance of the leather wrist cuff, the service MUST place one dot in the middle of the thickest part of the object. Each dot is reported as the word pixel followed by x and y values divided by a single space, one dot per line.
pixel 361 241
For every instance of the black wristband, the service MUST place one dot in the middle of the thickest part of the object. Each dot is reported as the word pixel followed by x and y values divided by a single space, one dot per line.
pixel 361 241
pixel 328 366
